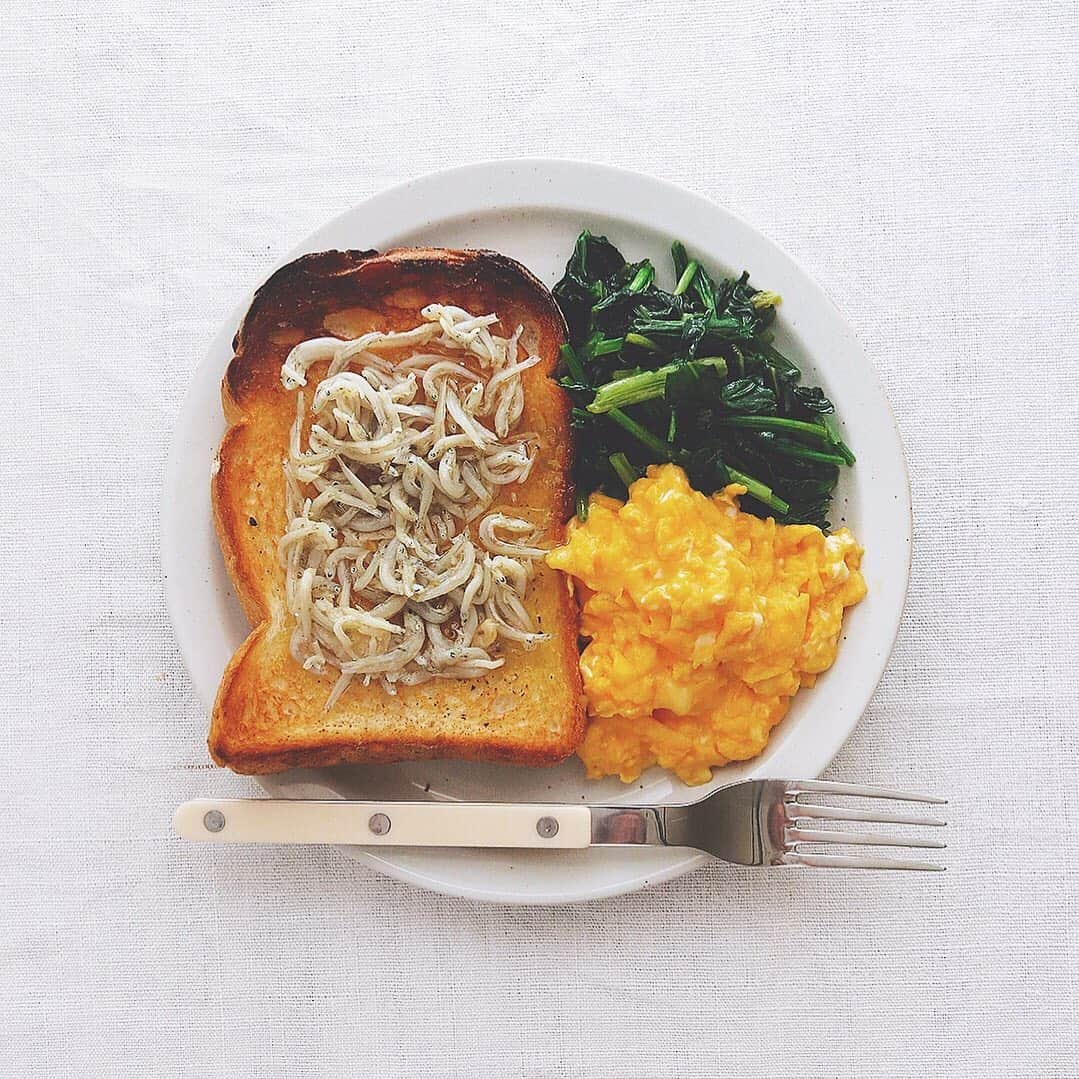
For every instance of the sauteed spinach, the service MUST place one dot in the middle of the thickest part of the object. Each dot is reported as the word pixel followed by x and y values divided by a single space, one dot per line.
pixel 692 376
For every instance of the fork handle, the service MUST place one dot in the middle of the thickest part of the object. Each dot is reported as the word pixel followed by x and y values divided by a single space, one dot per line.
pixel 384 824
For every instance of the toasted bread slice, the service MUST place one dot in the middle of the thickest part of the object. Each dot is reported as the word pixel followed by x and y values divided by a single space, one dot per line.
pixel 270 713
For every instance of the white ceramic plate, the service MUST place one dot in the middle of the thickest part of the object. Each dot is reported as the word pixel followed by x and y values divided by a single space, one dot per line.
pixel 532 211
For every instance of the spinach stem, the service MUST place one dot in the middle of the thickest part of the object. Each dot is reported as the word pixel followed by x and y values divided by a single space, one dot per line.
pixel 687 277
pixel 804 453
pixel 641 434
pixel 623 469
pixel 643 277
pixel 608 345
pixel 777 423
pixel 573 365
pixel 726 329
pixel 679 256
pixel 632 390
pixel 841 447
pixel 641 341
pixel 760 491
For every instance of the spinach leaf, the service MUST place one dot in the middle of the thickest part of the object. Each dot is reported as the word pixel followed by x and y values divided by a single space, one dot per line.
pixel 812 399
pixel 749 395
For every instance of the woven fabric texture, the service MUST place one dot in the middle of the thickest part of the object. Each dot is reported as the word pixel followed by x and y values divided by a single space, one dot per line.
pixel 157 159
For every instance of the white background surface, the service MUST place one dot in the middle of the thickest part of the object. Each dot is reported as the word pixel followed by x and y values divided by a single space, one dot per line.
pixel 154 161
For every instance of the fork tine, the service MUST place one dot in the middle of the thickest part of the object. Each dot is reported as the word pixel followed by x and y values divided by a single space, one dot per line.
pixel 800 811
pixel 877 839
pixel 817 786
pixel 843 861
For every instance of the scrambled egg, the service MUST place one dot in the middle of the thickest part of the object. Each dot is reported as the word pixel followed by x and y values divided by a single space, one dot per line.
pixel 703 622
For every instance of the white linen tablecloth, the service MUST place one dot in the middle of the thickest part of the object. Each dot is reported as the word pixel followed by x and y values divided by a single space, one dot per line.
pixel 157 159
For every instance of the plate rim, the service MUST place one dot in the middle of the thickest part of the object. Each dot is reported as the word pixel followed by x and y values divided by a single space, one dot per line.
pixel 458 182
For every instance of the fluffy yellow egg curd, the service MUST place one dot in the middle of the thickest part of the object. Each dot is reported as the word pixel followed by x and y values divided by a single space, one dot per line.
pixel 702 623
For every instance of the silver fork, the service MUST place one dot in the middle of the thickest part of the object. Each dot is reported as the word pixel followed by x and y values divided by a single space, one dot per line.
pixel 760 823
pixel 769 823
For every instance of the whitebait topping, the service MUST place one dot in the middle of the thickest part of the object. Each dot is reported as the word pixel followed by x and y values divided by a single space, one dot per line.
pixel 409 438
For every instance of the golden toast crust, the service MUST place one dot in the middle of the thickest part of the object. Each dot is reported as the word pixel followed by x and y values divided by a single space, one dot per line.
pixel 269 714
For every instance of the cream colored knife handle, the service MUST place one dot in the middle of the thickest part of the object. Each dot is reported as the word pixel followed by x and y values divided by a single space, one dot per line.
pixel 384 824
